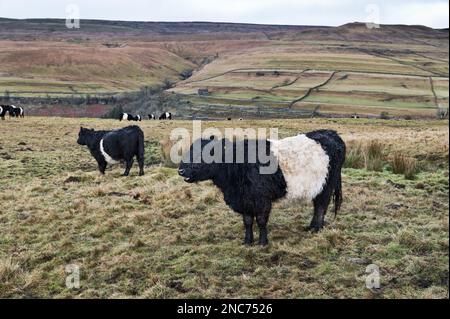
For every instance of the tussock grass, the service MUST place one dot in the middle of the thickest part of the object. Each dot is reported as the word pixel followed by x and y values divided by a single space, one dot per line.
pixel 368 155
pixel 404 165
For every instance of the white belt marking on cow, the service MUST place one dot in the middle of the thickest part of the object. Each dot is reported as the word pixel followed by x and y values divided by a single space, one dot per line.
pixel 106 156
pixel 125 117
pixel 304 164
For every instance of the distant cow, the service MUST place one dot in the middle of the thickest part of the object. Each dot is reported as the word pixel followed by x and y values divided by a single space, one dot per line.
pixel 112 147
pixel 166 116
pixel 130 117
pixel 152 117
pixel 4 109
pixel 16 111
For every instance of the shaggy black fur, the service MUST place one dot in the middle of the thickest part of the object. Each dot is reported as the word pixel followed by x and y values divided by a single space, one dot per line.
pixel 130 117
pixel 4 109
pixel 245 190
pixel 251 194
pixel 335 148
pixel 166 116
pixel 121 145
pixel 16 111
pixel 12 110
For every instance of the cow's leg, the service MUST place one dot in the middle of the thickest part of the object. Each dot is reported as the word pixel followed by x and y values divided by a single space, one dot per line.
pixel 248 223
pixel 102 167
pixel 140 158
pixel 262 220
pixel 128 165
pixel 321 203
pixel 141 165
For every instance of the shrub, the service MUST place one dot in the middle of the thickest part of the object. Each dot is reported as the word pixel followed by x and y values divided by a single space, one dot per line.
pixel 384 115
pixel 402 164
pixel 442 113
pixel 114 113
pixel 186 74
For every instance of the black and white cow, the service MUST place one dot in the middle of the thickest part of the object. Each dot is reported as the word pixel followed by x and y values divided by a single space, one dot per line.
pixel 16 111
pixel 308 167
pixel 5 109
pixel 130 117
pixel 166 116
pixel 112 147
pixel 152 117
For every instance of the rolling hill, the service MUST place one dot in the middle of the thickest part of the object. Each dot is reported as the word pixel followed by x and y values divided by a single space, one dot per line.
pixel 248 70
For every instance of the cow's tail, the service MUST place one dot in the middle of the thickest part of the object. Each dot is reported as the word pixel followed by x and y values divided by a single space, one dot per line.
pixel 338 189
pixel 141 146
pixel 337 196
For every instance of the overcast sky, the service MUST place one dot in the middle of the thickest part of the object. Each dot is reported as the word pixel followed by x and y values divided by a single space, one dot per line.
pixel 433 13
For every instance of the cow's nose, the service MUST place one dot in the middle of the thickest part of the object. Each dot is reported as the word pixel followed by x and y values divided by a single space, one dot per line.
pixel 181 171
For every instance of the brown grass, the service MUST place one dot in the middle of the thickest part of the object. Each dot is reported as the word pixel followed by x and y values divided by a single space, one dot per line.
pixel 157 237
pixel 404 165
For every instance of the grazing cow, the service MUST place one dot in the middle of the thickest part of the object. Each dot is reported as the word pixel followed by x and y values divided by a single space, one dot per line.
pixel 152 117
pixel 130 117
pixel 4 109
pixel 166 116
pixel 229 119
pixel 17 111
pixel 14 111
pixel 241 119
pixel 112 147
pixel 308 167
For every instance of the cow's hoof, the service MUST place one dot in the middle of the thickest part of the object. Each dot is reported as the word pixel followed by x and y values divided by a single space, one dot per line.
pixel 141 174
pixel 314 228
pixel 263 243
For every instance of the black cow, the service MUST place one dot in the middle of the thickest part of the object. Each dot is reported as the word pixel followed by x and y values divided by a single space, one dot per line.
pixel 166 116
pixel 130 117
pixel 15 111
pixel 307 166
pixel 112 147
pixel 3 110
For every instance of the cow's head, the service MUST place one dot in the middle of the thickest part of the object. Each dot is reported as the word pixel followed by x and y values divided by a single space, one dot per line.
pixel 202 162
pixel 83 136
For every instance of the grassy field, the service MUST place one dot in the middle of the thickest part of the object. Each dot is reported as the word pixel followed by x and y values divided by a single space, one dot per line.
pixel 158 237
